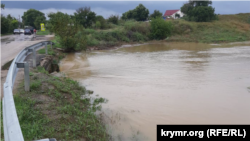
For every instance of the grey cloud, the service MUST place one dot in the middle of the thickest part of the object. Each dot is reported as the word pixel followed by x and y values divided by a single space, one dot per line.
pixel 119 7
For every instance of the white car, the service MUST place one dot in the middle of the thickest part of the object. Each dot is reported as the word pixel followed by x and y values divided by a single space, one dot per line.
pixel 16 31
pixel 21 31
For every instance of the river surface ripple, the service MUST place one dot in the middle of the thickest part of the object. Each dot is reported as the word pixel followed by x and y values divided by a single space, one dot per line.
pixel 166 83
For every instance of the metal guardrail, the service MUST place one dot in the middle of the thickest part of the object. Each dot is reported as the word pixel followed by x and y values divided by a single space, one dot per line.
pixel 12 129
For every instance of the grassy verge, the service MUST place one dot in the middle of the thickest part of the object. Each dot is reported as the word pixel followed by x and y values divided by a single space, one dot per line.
pixel 127 32
pixel 56 41
pixel 229 28
pixel 58 107
pixel 50 51
pixel 39 32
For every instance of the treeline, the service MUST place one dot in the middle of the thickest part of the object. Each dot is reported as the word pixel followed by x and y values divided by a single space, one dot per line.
pixel 199 11
pixel 8 23
pixel 78 31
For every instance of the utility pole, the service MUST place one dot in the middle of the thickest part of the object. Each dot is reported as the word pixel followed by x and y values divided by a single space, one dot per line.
pixel 19 21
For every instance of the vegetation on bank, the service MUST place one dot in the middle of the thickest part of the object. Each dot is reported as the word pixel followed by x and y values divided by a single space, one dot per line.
pixel 228 28
pixel 58 107
pixel 46 32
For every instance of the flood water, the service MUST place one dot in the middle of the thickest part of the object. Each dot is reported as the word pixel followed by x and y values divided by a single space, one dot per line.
pixel 166 83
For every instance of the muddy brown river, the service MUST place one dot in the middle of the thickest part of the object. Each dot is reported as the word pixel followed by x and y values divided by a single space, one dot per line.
pixel 166 83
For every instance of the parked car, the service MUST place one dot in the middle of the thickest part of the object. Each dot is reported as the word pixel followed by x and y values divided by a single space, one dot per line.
pixel 16 31
pixel 27 32
pixel 21 31
pixel 30 28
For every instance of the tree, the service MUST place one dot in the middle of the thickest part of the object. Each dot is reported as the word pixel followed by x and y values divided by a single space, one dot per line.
pixel 30 16
pixel 98 25
pixel 140 13
pixel 200 3
pixel 113 19
pixel 102 21
pixel 160 29
pixel 4 25
pixel 127 15
pixel 69 30
pixel 156 14
pixel 85 16
pixel 38 21
pixel 199 11
pixel 2 6
pixel 13 25
pixel 203 14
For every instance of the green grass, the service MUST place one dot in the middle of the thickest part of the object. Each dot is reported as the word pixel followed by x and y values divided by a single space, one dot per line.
pixel 56 40
pixel 129 31
pixel 58 107
pixel 39 32
pixel 50 51
pixel 229 28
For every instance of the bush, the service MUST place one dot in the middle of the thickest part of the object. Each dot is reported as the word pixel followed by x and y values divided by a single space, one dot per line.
pixel 92 41
pixel 113 19
pixel 141 27
pixel 102 21
pixel 136 36
pixel 89 31
pixel 98 25
pixel 160 28
pixel 71 33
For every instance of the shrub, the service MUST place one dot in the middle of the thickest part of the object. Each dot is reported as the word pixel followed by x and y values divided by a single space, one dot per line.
pixel 102 21
pixel 160 28
pixel 89 31
pixel 92 41
pixel 98 25
pixel 136 36
pixel 141 27
pixel 72 36
pixel 113 19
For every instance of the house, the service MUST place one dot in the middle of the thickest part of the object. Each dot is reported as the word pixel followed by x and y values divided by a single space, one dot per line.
pixel 173 14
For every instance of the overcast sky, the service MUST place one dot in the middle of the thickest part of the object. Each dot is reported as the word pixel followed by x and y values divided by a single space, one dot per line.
pixel 106 8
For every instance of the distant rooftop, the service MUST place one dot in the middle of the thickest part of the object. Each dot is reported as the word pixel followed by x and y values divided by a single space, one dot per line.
pixel 170 12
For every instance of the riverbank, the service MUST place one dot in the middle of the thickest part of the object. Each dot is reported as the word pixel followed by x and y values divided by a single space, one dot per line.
pixel 58 107
pixel 228 28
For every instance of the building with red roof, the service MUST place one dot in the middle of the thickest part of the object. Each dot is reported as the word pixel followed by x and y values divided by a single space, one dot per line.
pixel 173 14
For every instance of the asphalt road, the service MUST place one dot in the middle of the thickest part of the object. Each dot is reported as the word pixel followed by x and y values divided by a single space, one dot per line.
pixel 11 45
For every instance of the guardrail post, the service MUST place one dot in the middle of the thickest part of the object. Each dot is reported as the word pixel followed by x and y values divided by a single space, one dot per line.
pixel 27 76
pixel 51 45
pixel 25 65
pixel 46 49
pixel 34 58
